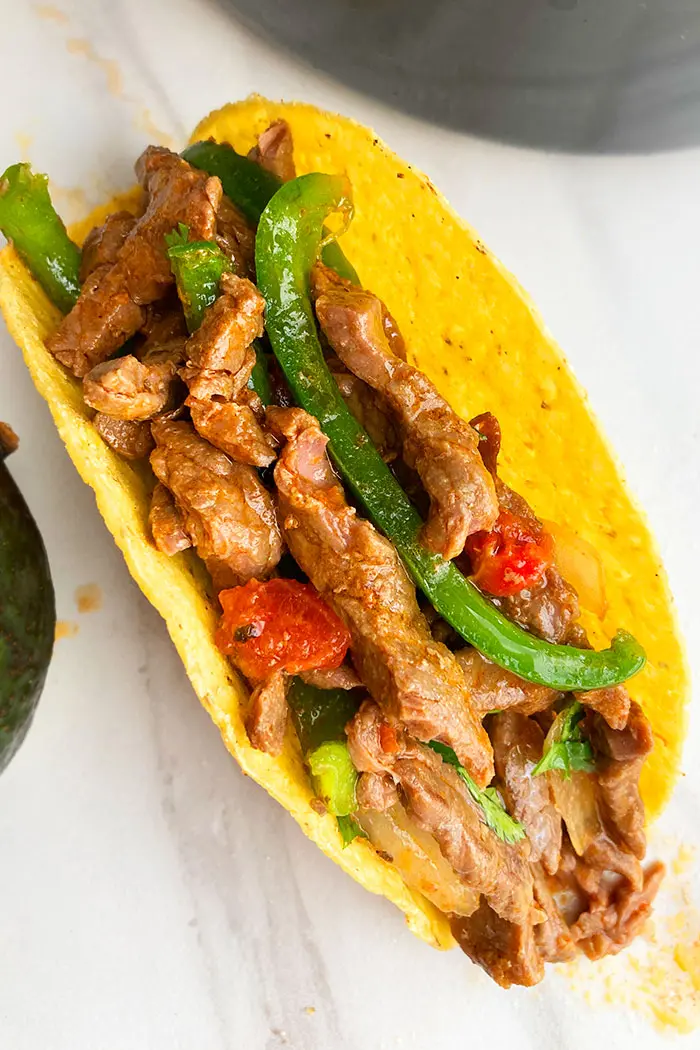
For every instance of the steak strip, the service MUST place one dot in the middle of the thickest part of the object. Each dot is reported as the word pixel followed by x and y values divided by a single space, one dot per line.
pixel 441 447
pixel 358 572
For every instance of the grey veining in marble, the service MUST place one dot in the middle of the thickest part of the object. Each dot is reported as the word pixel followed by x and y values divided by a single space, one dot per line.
pixel 153 898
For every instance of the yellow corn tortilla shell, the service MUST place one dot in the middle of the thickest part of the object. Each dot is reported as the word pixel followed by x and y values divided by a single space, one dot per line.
pixel 471 328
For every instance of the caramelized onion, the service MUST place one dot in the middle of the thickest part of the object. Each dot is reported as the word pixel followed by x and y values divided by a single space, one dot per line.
pixel 575 799
pixel 579 563
pixel 418 859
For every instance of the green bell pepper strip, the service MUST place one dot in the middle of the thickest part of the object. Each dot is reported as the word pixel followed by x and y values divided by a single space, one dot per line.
pixel 251 187
pixel 287 246
pixel 29 220
pixel 320 717
pixel 198 267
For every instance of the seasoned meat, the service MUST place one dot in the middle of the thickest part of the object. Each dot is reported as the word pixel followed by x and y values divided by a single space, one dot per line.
pixel 266 721
pixel 275 151
pixel 325 280
pixel 376 791
pixel 129 438
pixel 127 388
pixel 506 950
pixel 227 513
pixel 552 937
pixel 368 408
pixel 437 798
pixel 220 363
pixel 229 327
pixel 236 238
pixel 441 447
pixel 358 572
pixel 342 677
pixel 103 243
pixel 517 748
pixel 110 307
pixel 622 756
pixel 612 922
pixel 233 427
pixel 612 703
pixel 492 688
pixel 167 523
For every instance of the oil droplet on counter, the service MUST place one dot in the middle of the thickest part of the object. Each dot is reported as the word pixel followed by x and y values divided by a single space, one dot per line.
pixel 65 629
pixel 88 598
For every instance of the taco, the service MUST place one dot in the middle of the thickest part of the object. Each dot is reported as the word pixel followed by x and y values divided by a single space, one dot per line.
pixel 287 368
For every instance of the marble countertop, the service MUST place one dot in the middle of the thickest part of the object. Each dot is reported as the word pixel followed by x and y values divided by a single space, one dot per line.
pixel 153 898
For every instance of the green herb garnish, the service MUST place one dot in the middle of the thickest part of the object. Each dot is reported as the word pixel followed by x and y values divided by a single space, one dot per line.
pixel 349 829
pixel 495 815
pixel 565 747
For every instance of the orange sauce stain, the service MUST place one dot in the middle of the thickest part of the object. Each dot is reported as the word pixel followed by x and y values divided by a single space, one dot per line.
pixel 110 68
pixel 24 144
pixel 143 121
pixel 65 629
pixel 50 13
pixel 88 598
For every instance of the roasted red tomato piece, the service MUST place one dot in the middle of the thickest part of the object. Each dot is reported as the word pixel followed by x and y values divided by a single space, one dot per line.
pixel 280 625
pixel 509 557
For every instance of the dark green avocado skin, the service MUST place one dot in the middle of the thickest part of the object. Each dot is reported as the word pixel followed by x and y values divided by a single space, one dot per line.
pixel 27 616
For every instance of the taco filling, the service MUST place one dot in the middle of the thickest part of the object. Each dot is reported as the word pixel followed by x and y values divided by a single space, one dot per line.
pixel 389 600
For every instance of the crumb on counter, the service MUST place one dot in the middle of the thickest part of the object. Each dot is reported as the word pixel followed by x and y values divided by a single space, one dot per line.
pixel 88 597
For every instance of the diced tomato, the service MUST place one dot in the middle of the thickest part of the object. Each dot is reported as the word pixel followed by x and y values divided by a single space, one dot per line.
pixel 280 625
pixel 509 557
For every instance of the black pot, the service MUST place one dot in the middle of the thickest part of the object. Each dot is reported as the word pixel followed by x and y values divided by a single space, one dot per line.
pixel 582 75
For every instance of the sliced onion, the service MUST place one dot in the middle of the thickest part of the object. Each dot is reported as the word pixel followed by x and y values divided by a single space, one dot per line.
pixel 418 859
pixel 579 562
pixel 575 799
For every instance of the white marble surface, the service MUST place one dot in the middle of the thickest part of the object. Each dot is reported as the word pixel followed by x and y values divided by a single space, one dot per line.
pixel 153 899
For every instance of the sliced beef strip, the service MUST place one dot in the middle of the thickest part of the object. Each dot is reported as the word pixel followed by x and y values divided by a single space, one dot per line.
pixel 227 513
pixel 359 573
pixel 110 307
pixel 376 791
pixel 229 326
pixel 440 446
pixel 552 937
pixel 130 438
pixel 228 417
pixel 437 798
pixel 622 754
pixel 517 747
pixel 274 151
pixel 508 951
pixel 609 925
pixel 343 677
pixel 266 720
pixel 492 688
pixel 612 703
pixel 127 388
pixel 233 427
pixel 102 245
pixel 325 280
pixel 236 238
pixel 167 523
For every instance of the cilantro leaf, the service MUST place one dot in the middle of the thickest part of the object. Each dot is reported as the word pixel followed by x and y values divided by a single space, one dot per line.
pixel 565 747
pixel 496 817
pixel 349 829
pixel 179 237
